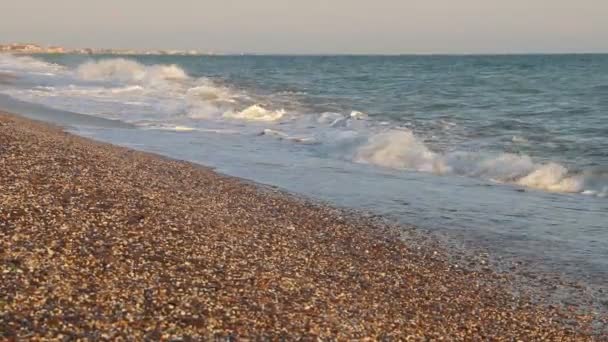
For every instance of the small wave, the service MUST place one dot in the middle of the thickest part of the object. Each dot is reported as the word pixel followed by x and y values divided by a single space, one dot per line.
pixel 208 100
pixel 219 131
pixel 256 113
pixel 553 177
pixel 126 89
pixel 178 128
pixel 147 125
pixel 28 64
pixel 124 70
pixel 599 193
pixel 209 92
pixel 357 115
pixel 519 139
pixel 44 88
pixel 332 119
pixel 72 90
pixel 400 150
pixel 404 151
pixel 284 136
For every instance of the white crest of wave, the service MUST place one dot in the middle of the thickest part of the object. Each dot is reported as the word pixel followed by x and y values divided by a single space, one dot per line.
pixel 10 62
pixel 274 133
pixel 206 101
pixel 284 136
pixel 357 115
pixel 256 113
pixel 128 71
pixel 209 92
pixel 402 150
pixel 519 139
pixel 332 119
pixel 553 177
pixel 505 167
pixel 168 127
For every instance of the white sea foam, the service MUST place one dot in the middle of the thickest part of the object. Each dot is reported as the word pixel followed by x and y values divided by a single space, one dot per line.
pixel 177 128
pixel 208 101
pixel 209 92
pixel 402 150
pixel 332 119
pixel 44 88
pixel 27 64
pixel 256 113
pixel 274 133
pixel 124 70
pixel 358 115
pixel 284 136
pixel 91 91
pixel 519 139
pixel 553 177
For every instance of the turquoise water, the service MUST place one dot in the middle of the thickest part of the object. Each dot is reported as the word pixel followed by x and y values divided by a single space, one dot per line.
pixel 505 152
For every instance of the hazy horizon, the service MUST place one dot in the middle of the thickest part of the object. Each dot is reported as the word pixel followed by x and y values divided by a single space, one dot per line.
pixel 315 27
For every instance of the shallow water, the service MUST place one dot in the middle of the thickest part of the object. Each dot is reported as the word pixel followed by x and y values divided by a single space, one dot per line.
pixel 506 152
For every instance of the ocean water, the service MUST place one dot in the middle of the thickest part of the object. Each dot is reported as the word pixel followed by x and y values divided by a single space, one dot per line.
pixel 505 152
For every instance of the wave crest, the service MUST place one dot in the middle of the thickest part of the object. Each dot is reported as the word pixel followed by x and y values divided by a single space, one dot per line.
pixel 256 113
pixel 400 150
pixel 124 70
pixel 26 63
pixel 403 151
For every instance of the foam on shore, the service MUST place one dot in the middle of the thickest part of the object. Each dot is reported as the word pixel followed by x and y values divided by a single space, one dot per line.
pixel 400 149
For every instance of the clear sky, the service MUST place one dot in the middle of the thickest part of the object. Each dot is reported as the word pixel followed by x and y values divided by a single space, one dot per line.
pixel 313 26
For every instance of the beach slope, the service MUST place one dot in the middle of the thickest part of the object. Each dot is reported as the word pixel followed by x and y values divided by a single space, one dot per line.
pixel 99 242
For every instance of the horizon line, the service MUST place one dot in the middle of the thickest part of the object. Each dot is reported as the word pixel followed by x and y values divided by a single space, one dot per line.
pixel 211 52
pixel 328 54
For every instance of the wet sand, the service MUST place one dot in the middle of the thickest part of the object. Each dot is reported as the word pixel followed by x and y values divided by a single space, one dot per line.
pixel 102 242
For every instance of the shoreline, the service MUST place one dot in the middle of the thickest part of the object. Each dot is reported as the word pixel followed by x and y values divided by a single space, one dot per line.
pixel 102 241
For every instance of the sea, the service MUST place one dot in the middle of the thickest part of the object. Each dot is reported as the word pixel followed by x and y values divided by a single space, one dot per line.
pixel 505 153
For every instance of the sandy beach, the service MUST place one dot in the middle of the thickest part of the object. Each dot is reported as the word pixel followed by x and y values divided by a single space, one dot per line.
pixel 102 242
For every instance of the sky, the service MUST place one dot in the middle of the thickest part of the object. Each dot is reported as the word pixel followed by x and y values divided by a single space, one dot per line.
pixel 313 26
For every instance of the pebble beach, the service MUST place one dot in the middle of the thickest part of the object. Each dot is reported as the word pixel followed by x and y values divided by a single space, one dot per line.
pixel 99 242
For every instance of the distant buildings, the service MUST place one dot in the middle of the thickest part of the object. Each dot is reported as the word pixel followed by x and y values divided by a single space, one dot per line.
pixel 55 49
pixel 29 48
pixel 22 48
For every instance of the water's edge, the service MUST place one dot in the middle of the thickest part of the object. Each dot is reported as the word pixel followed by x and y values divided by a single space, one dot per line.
pixel 523 278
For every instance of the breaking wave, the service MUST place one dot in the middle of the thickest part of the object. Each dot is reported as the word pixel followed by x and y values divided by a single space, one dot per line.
pixel 124 70
pixel 284 136
pixel 202 98
pixel 125 89
pixel 27 64
pixel 402 150
pixel 164 96
pixel 256 113
pixel 209 92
